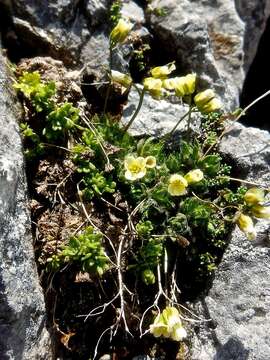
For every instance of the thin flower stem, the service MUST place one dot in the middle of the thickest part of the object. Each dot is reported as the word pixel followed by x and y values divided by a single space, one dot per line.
pixel 245 182
pixel 243 112
pixel 176 126
pixel 109 85
pixel 141 93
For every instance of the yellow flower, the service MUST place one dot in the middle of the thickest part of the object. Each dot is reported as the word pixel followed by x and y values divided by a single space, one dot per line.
pixel 122 79
pixel 185 85
pixel 206 101
pixel 150 162
pixel 159 327
pixel 168 324
pixel 135 168
pixel 171 316
pixel 169 84
pixel 245 224
pixel 254 196
pixel 153 86
pixel 120 31
pixel 177 185
pixel 261 212
pixel 161 72
pixel 194 176
pixel 213 105
pixel 178 332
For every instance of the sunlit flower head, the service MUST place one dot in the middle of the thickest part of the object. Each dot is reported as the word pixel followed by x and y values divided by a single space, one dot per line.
pixel 177 185
pixel 153 86
pixel 120 78
pixel 161 72
pixel 135 167
pixel 169 84
pixel 169 325
pixel 194 176
pixel 261 212
pixel 254 196
pixel 120 31
pixel 185 85
pixel 150 162
pixel 178 332
pixel 246 225
pixel 160 327
pixel 207 102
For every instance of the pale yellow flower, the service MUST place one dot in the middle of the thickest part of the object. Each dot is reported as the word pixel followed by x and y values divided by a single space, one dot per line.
pixel 150 162
pixel 177 185
pixel 159 327
pixel 135 167
pixel 161 72
pixel 213 105
pixel 206 101
pixel 194 176
pixel 178 332
pixel 153 86
pixel 261 212
pixel 169 325
pixel 122 79
pixel 254 196
pixel 245 224
pixel 185 85
pixel 169 84
pixel 120 31
pixel 171 316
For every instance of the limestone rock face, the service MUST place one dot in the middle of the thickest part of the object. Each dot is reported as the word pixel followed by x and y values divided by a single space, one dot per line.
pixel 22 309
pixel 239 300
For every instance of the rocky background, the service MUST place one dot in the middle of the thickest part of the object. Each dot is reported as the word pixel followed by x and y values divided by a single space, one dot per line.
pixel 223 41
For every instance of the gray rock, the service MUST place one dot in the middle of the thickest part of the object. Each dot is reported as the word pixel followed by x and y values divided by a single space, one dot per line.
pixel 22 309
pixel 205 37
pixel 56 28
pixel 156 117
pixel 132 11
pixel 255 15
pixel 239 300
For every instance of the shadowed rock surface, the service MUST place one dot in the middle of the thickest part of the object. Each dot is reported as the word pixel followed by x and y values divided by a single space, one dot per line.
pixel 239 300
pixel 22 310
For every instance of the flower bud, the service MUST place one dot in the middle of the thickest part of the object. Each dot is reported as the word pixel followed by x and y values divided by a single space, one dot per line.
pixel 254 196
pixel 151 162
pixel 213 105
pixel 153 86
pixel 148 277
pixel 185 85
pixel 194 176
pixel 161 72
pixel 206 101
pixel 261 212
pixel 120 31
pixel 202 98
pixel 122 79
pixel 245 224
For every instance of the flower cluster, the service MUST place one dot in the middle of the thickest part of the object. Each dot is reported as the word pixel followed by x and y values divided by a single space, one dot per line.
pixel 136 167
pixel 178 184
pixel 159 84
pixel 255 201
pixel 169 325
